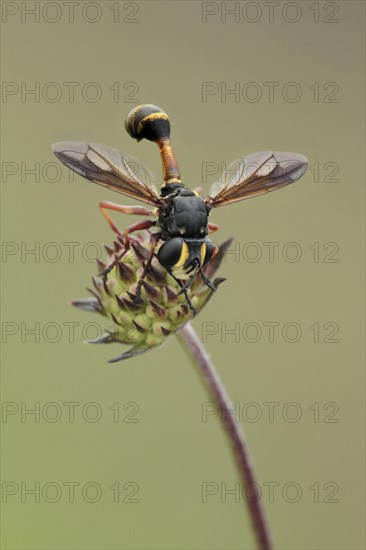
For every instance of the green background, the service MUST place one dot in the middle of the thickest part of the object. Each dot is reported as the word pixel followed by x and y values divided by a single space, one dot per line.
pixel 167 55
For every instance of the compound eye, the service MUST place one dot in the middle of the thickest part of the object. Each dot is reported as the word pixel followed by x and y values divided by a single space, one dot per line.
pixel 170 252
pixel 211 248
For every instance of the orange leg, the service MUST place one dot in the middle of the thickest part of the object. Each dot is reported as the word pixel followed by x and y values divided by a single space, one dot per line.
pixel 212 227
pixel 134 210
pixel 145 224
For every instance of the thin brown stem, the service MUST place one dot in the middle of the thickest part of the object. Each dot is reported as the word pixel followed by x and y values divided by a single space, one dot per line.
pixel 217 392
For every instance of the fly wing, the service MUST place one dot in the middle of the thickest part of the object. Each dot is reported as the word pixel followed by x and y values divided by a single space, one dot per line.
pixel 256 174
pixel 108 167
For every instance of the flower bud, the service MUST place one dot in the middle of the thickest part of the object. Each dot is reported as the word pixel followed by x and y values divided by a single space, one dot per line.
pixel 144 313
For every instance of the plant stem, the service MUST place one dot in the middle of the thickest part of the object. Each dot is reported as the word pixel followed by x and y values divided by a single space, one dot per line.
pixel 195 349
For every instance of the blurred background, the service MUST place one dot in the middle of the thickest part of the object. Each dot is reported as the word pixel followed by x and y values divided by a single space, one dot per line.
pixel 132 455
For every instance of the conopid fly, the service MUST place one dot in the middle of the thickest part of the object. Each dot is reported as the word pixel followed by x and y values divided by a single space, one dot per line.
pixel 182 214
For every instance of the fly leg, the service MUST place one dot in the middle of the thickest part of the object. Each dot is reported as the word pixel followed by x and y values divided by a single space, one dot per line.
pixel 206 280
pixel 145 224
pixel 133 210
pixel 212 227
pixel 184 290
pixel 154 239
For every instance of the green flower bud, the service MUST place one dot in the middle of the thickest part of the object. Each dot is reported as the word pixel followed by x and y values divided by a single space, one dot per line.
pixel 143 314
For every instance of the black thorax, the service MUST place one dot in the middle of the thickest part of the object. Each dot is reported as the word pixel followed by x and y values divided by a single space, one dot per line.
pixel 184 215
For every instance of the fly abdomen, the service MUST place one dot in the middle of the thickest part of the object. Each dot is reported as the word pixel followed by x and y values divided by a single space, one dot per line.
pixel 148 122
pixel 152 123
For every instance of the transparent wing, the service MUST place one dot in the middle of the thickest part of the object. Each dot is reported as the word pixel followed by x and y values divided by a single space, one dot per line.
pixel 256 174
pixel 110 168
